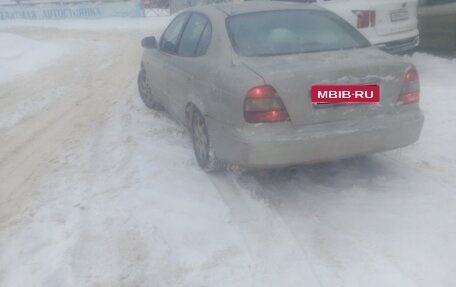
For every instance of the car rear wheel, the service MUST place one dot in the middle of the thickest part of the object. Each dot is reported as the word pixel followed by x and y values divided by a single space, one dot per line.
pixel 145 91
pixel 202 147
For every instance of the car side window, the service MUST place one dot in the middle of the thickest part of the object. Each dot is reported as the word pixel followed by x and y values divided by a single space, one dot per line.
pixel 170 38
pixel 204 41
pixel 192 34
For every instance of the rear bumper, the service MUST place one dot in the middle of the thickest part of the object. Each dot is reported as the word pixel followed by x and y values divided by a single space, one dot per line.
pixel 400 46
pixel 282 144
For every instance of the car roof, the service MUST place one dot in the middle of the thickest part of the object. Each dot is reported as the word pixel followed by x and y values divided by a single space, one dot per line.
pixel 235 8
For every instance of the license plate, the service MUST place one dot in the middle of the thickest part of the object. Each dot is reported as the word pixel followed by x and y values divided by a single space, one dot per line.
pixel 399 15
pixel 345 94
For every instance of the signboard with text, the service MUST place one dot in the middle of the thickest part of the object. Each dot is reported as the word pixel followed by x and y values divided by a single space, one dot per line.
pixel 88 10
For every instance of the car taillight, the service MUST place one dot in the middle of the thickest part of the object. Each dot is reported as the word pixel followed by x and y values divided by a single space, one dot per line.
pixel 263 105
pixel 372 18
pixel 366 18
pixel 411 89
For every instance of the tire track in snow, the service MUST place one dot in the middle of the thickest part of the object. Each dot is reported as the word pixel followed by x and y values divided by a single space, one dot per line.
pixel 34 146
pixel 278 259
pixel 49 146
pixel 340 259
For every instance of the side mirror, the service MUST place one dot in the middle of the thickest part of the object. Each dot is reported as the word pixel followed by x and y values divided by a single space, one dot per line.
pixel 149 43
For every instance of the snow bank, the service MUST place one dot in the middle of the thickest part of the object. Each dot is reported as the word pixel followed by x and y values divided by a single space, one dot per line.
pixel 20 55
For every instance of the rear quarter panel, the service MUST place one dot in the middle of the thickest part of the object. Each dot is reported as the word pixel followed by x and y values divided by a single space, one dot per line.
pixel 228 79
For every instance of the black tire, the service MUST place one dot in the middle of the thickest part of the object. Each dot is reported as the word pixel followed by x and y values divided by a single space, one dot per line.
pixel 204 153
pixel 145 91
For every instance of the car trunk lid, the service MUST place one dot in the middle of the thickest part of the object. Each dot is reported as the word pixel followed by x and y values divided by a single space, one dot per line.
pixel 294 75
pixel 394 16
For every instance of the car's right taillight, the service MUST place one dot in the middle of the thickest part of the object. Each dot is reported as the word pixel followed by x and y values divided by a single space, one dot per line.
pixel 263 105
pixel 410 92
pixel 366 18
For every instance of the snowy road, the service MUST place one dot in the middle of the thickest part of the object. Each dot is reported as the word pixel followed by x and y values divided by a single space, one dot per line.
pixel 96 190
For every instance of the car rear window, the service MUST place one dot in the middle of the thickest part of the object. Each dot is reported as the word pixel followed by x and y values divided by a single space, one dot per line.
pixel 291 32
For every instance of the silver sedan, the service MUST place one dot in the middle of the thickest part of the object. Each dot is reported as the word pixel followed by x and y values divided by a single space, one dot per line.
pixel 240 75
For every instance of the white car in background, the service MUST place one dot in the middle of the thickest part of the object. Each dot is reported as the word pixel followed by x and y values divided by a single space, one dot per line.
pixel 388 24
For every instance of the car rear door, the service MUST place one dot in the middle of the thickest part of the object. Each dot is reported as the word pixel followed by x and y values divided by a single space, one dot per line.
pixel 187 72
pixel 160 77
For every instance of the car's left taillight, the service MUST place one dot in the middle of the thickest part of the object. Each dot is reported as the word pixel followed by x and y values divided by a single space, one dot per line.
pixel 411 88
pixel 365 18
pixel 263 105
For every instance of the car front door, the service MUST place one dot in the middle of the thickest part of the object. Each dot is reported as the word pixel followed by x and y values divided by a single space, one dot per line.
pixel 158 60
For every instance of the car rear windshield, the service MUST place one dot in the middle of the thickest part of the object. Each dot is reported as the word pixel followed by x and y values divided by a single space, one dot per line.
pixel 283 32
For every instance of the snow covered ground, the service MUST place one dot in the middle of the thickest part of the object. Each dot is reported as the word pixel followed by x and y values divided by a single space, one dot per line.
pixel 20 55
pixel 97 190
